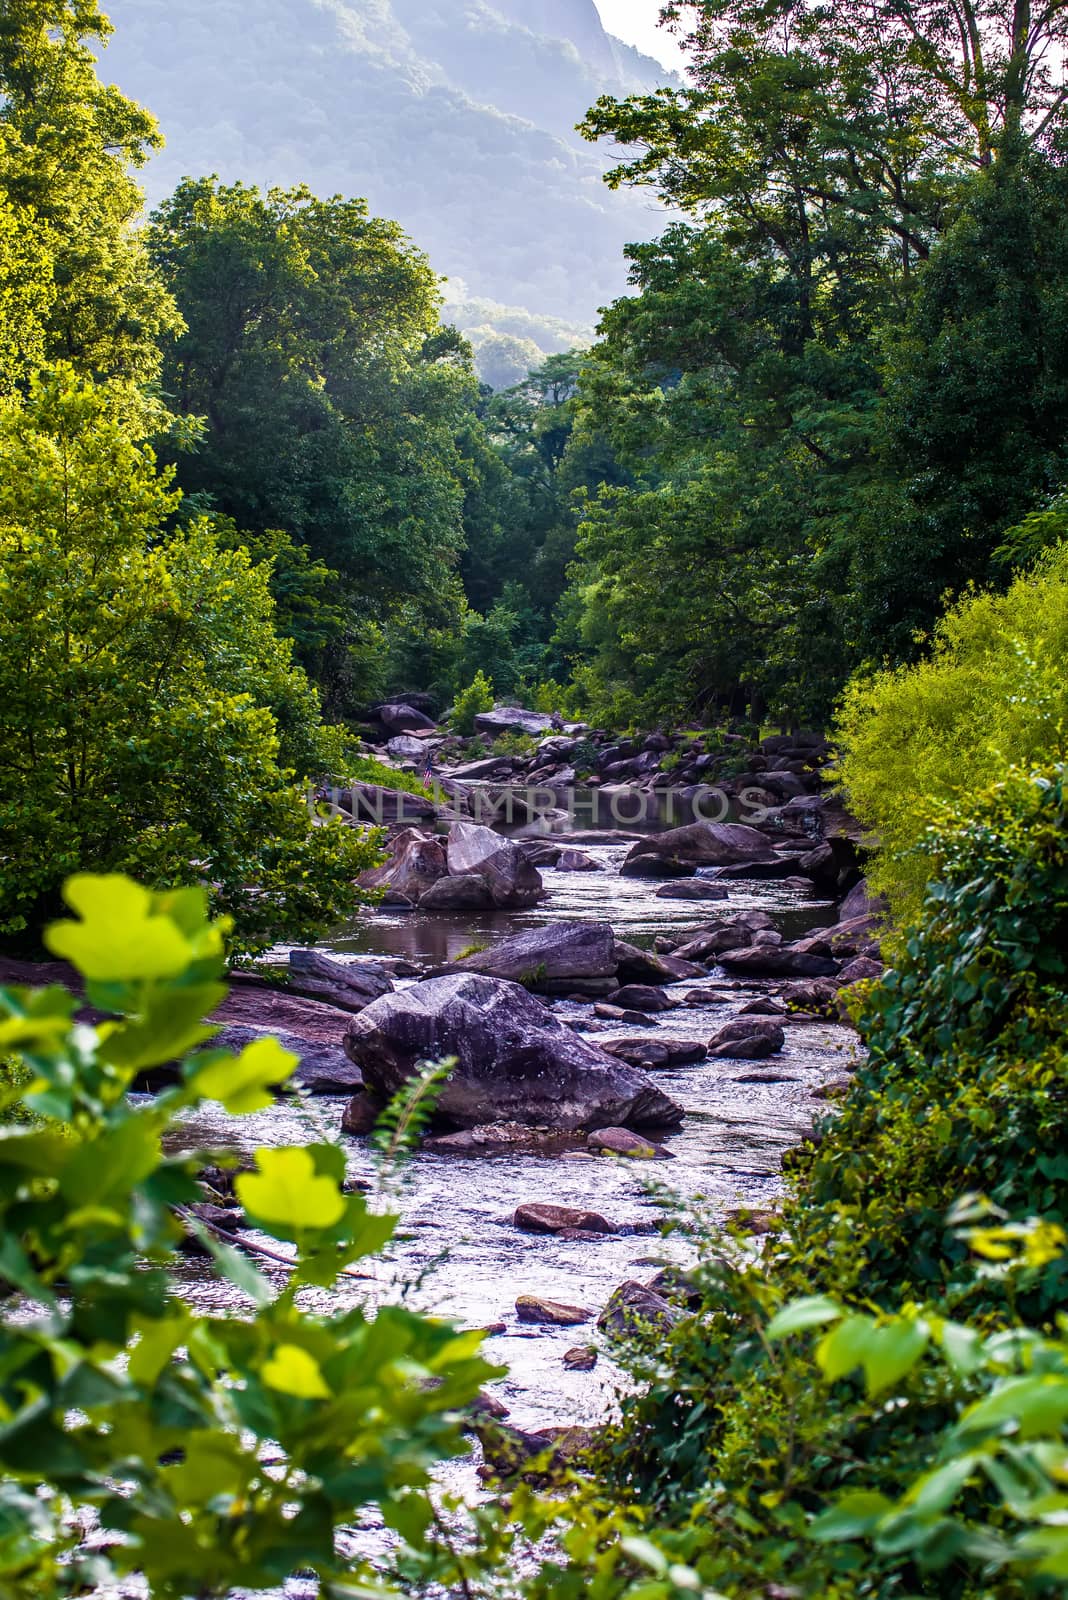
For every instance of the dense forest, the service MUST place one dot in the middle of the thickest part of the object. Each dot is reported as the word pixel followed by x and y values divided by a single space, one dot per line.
pixel 809 474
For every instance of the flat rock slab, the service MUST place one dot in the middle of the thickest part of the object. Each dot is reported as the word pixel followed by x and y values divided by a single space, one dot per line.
pixel 558 951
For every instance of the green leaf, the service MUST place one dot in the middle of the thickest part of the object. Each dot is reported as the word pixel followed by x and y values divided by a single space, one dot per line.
pixel 119 936
pixel 243 1083
pixel 893 1350
pixel 293 1370
pixel 286 1191
pixel 852 1517
pixel 812 1312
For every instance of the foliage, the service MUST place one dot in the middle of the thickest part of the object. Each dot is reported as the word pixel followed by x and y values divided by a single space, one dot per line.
pixel 477 697
pixel 759 1461
pixel 210 1451
pixel 314 350
pixel 151 718
pixel 990 696
pixel 366 769
pixel 72 266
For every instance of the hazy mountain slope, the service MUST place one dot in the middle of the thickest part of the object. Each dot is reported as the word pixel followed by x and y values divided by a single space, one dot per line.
pixel 454 116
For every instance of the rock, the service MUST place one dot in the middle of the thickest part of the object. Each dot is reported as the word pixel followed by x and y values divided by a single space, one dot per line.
pixel 692 889
pixel 746 1039
pixel 417 861
pixel 743 1220
pixel 765 1007
pixel 499 1139
pixel 554 954
pixel 508 1451
pixel 479 852
pixel 371 803
pixel 859 969
pixel 860 936
pixel 677 1286
pixel 466 892
pixel 577 861
pixel 539 1218
pixel 834 1089
pixel 348 985
pixel 634 1309
pixel 321 1068
pixel 405 747
pixel 361 1113
pixel 516 1062
pixel 767 1075
pixel 778 961
pixel 550 1313
pixel 819 997
pixel 581 1358
pixel 485 767
pixel 716 844
pixel 610 1013
pixel 736 934
pixel 634 965
pixel 643 997
pixel 778 868
pixel 402 718
pixel 860 902
pixel 621 1142
pixel 833 864
pixel 655 866
pixel 655 1052
pixel 540 852
pixel 513 719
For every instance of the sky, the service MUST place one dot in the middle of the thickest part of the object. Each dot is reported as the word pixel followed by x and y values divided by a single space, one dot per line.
pixel 635 21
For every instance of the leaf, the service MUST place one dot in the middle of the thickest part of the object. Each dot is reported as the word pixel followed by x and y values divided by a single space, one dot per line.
pixel 156 1345
pixel 893 1350
pixel 119 936
pixel 286 1191
pixel 851 1517
pixel 962 1347
pixel 243 1083
pixel 812 1312
pixel 293 1370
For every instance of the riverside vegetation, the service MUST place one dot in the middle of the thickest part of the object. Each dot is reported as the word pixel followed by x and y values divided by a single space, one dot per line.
pixel 812 469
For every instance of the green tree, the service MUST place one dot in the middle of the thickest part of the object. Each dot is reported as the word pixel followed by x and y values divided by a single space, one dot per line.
pixel 67 144
pixel 334 398
pixel 151 717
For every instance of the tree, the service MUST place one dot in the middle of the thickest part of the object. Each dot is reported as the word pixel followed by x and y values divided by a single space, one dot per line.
pixel 67 143
pixel 150 717
pixel 334 398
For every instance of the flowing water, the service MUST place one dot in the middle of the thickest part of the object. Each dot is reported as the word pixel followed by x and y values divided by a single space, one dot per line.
pixel 457 1253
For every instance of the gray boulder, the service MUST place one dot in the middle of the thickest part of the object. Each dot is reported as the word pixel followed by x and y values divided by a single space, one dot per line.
pixel 417 860
pixel 466 892
pixel 549 957
pixel 403 718
pixel 701 844
pixel 747 1039
pixel 474 851
pixel 513 719
pixel 515 1061
pixel 349 985
pixel 778 961
pixel 692 889
pixel 321 1068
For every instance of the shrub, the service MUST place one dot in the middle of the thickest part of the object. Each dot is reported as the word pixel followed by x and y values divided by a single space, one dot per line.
pixel 993 694
pixel 214 1452
pixel 764 1463
pixel 478 696
pixel 367 769
pixel 154 721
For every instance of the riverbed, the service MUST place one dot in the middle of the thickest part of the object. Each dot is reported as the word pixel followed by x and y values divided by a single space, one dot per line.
pixel 457 1253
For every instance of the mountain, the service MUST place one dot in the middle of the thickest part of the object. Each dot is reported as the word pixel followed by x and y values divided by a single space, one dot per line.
pixel 456 117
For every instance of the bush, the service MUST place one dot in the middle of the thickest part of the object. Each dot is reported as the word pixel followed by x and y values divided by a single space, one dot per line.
pixel 478 696
pixel 121 1403
pixel 154 720
pixel 741 1444
pixel 992 695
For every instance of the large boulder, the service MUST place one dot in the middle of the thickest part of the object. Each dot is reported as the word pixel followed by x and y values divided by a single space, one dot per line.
pixel 406 747
pixel 551 958
pixel 515 1061
pixel 417 860
pixel 737 934
pixel 747 1039
pixel 692 889
pixel 699 844
pixel 860 902
pixel 474 851
pixel 321 1068
pixel 403 718
pixel 466 892
pixel 513 719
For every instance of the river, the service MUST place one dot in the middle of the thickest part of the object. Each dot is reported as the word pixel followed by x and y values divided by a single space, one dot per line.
pixel 457 1253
